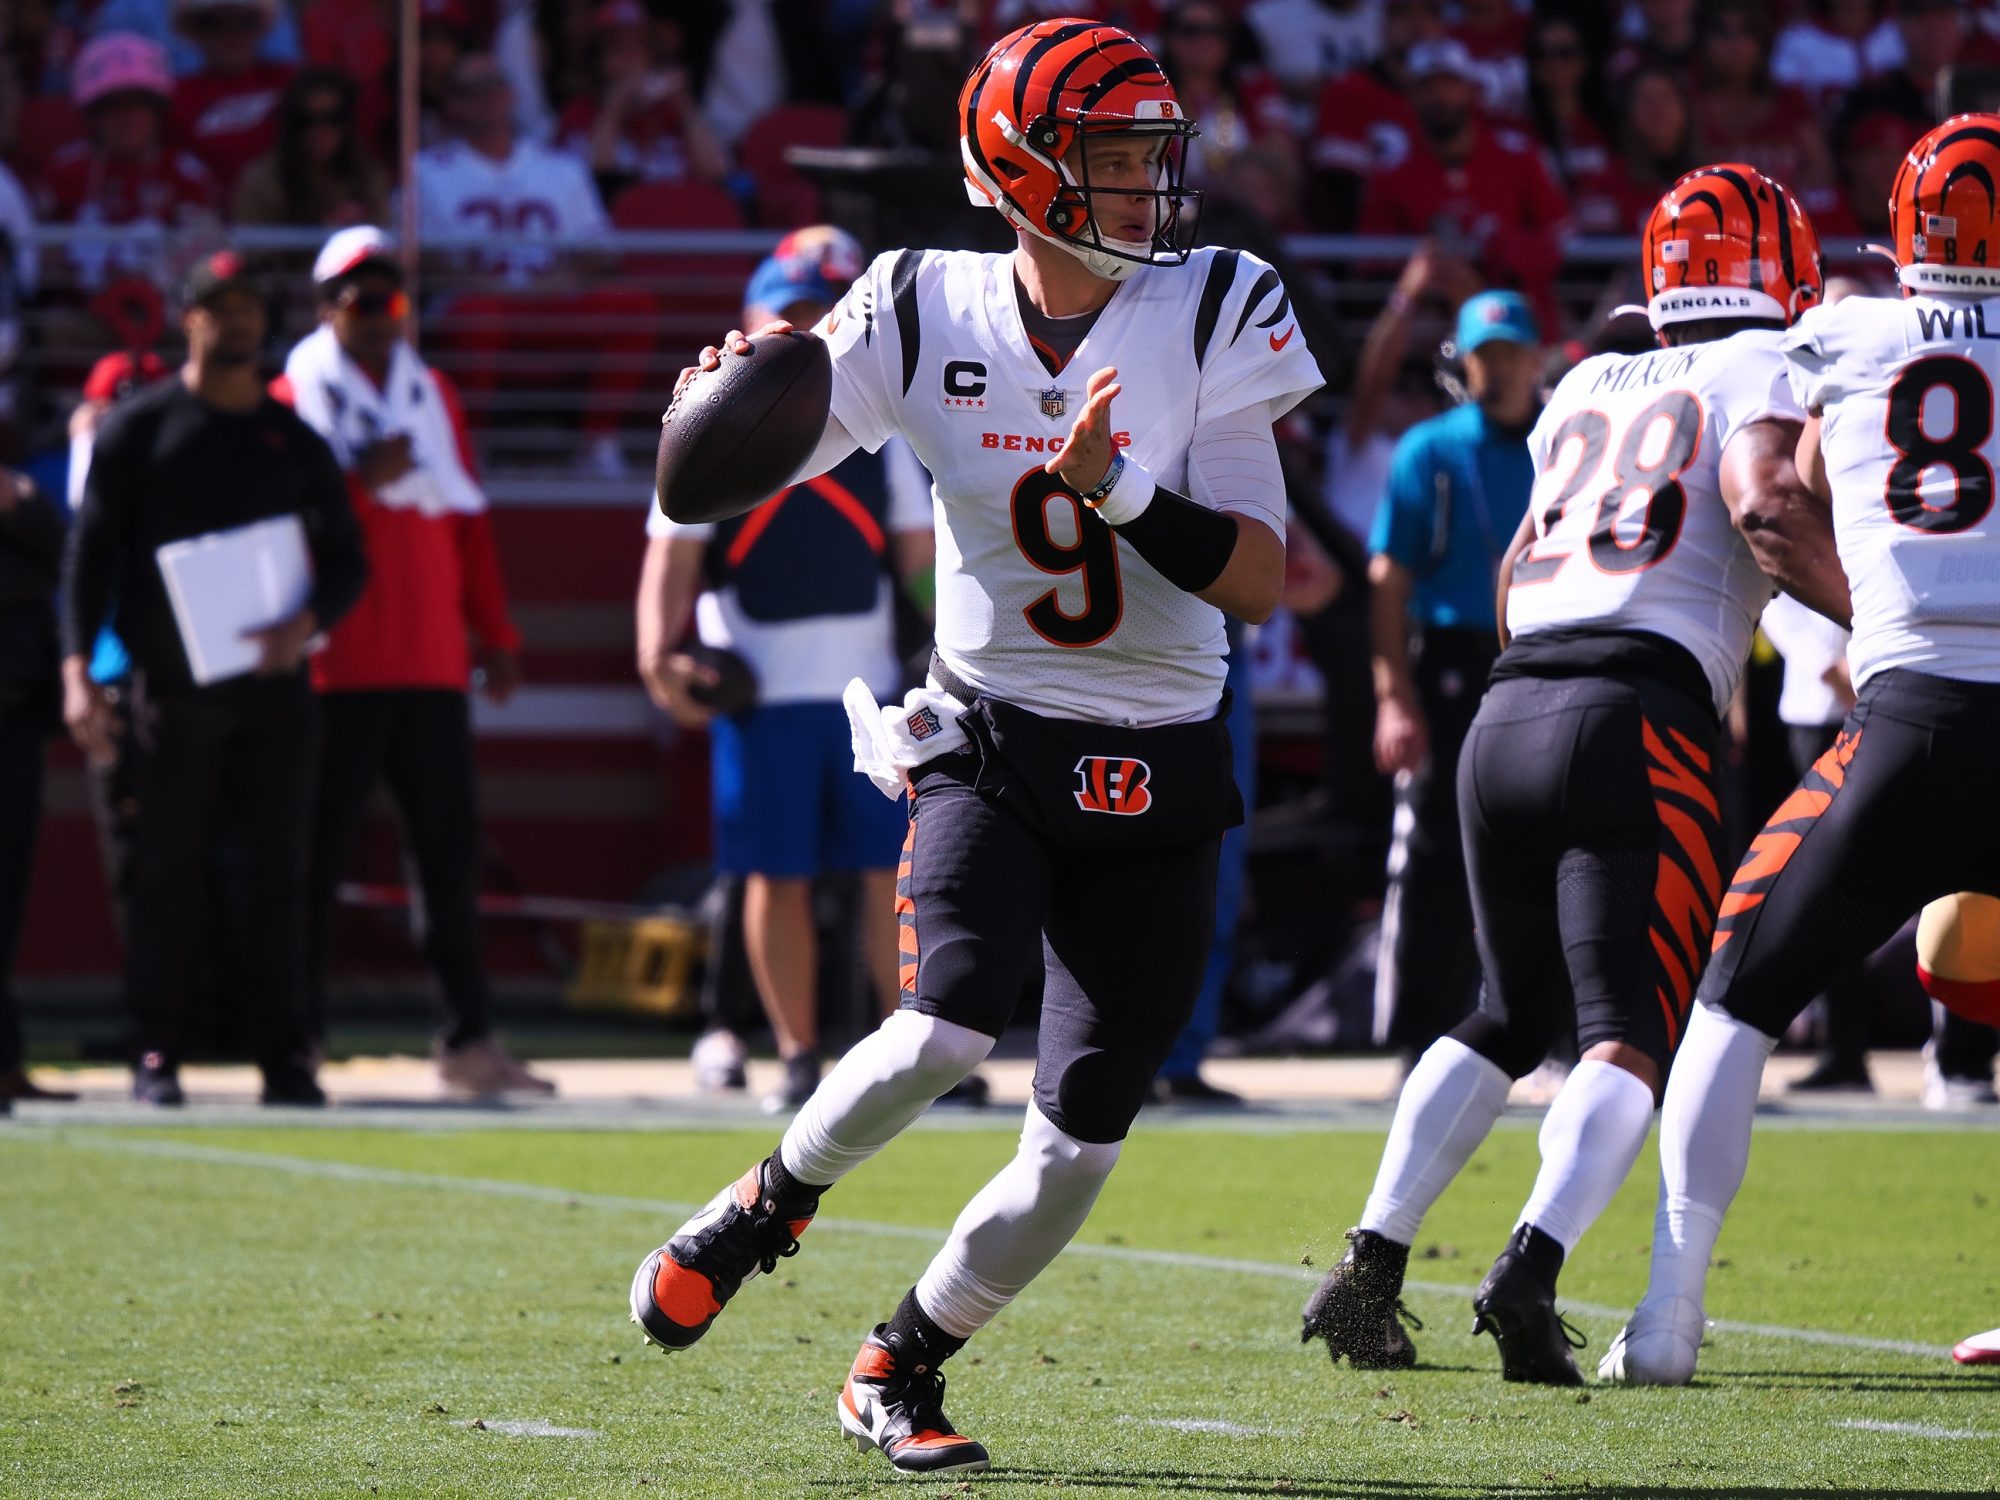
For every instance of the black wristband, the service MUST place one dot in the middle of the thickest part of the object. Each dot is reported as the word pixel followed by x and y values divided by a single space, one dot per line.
pixel 1189 545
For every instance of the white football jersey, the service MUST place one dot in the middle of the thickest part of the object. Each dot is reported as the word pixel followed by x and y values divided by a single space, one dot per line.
pixel 1039 603
pixel 536 193
pixel 1631 530
pixel 1905 388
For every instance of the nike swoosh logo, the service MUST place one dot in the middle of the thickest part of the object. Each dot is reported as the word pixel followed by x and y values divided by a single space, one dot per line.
pixel 1279 343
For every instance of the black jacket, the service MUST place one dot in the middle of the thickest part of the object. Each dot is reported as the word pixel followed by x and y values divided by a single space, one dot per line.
pixel 31 544
pixel 166 466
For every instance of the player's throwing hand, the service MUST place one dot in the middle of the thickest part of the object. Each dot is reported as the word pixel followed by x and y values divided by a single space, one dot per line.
pixel 735 341
pixel 1087 455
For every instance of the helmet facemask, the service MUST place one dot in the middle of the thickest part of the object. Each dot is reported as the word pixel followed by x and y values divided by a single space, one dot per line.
pixel 1073 220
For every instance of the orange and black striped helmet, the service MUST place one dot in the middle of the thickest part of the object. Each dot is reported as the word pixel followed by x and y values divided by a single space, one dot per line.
pixel 1729 242
pixel 1022 113
pixel 1941 211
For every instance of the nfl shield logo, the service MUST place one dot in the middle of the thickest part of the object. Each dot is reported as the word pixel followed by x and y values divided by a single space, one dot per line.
pixel 924 723
pixel 1054 401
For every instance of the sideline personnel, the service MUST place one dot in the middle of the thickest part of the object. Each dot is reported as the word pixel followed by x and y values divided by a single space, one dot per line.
pixel 1458 487
pixel 203 453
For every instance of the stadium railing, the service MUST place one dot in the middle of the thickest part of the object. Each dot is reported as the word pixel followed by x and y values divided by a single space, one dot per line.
pixel 532 369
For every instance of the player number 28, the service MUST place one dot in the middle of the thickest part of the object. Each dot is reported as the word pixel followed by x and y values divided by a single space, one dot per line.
pixel 1644 464
pixel 1093 555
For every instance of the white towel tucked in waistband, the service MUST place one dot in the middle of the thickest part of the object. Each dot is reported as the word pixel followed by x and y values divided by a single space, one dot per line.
pixel 889 742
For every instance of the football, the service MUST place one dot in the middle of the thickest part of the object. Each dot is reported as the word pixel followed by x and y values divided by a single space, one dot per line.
pixel 735 435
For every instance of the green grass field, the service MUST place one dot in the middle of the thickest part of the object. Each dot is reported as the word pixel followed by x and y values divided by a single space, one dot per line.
pixel 351 1311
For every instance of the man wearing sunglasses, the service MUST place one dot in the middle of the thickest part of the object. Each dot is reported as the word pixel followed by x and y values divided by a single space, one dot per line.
pixel 393 678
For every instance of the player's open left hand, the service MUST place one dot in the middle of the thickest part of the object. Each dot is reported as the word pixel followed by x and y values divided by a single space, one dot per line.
pixel 1086 456
pixel 735 341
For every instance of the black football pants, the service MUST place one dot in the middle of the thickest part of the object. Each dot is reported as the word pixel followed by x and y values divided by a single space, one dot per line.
pixel 23 736
pixel 1593 841
pixel 244 753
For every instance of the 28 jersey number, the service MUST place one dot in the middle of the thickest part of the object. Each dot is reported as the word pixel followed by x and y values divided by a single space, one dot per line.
pixel 1957 450
pixel 1093 556
pixel 1612 548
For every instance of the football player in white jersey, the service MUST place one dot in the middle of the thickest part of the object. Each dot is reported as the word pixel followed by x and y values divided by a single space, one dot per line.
pixel 1068 770
pixel 1665 504
pixel 1903 808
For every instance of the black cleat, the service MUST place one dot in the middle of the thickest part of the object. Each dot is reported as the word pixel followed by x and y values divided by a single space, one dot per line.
pixel 1516 1303
pixel 895 1404
pixel 681 1287
pixel 1834 1074
pixel 1193 1089
pixel 1356 1308
pixel 157 1082
pixel 292 1085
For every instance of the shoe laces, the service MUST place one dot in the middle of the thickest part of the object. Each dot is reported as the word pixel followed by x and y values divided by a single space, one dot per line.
pixel 922 1392
pixel 1572 1335
pixel 775 1239
pixel 1411 1320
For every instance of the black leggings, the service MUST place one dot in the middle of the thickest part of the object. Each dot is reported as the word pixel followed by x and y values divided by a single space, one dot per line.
pixel 1124 938
pixel 1592 847
pixel 1902 809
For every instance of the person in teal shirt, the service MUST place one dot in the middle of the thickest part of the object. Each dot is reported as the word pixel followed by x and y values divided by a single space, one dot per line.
pixel 1457 489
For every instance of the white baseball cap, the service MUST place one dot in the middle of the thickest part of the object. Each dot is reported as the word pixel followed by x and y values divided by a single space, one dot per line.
pixel 350 248
pixel 1443 56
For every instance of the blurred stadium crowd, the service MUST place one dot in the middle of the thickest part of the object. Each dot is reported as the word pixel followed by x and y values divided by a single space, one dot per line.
pixel 596 180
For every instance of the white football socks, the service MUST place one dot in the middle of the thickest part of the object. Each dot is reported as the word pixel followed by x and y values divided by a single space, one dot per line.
pixel 1590 1138
pixel 1448 1106
pixel 1704 1146
pixel 1014 1226
pixel 886 1080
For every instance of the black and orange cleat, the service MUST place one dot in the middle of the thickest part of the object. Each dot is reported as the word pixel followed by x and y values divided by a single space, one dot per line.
pixel 682 1287
pixel 1356 1308
pixel 895 1404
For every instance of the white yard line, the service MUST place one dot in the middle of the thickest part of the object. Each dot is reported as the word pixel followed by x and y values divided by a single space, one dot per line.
pixel 1916 1429
pixel 538 1428
pixel 488 1187
pixel 1209 1424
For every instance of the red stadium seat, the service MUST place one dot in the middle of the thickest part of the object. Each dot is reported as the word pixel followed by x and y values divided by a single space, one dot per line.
pixel 700 294
pixel 45 124
pixel 784 198
pixel 676 205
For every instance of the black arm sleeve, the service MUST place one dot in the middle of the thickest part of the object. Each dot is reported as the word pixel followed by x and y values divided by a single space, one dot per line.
pixel 1189 545
pixel 96 540
pixel 340 564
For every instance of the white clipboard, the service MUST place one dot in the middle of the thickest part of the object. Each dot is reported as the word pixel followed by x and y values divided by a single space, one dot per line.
pixel 229 582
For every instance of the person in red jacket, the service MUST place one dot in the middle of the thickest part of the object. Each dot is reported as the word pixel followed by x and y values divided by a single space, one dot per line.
pixel 393 677
pixel 1480 191
pixel 226 112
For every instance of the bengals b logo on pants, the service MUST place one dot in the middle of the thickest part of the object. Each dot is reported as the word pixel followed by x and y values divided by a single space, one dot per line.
pixel 1113 784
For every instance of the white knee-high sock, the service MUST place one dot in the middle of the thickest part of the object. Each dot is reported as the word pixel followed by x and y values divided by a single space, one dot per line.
pixel 1590 1138
pixel 1448 1106
pixel 1014 1226
pixel 886 1080
pixel 1704 1146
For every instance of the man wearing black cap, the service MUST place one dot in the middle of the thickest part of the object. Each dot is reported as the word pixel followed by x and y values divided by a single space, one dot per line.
pixel 209 452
